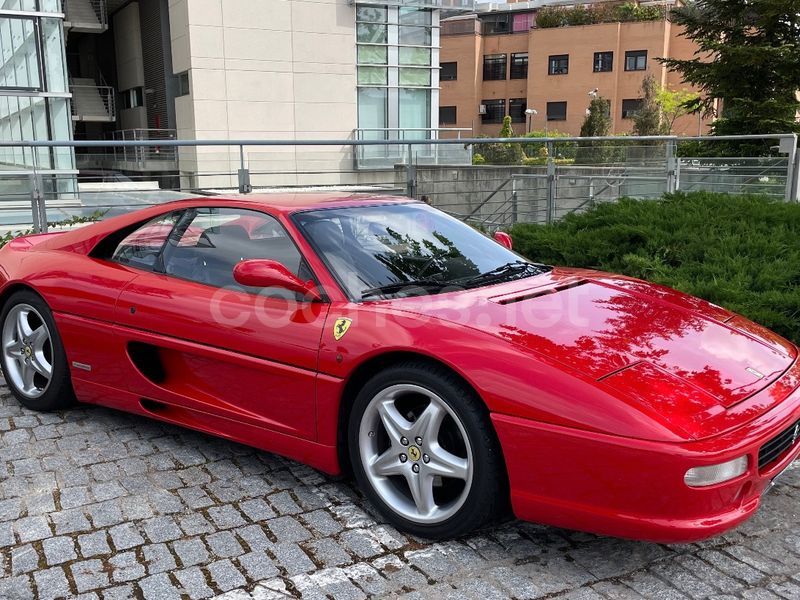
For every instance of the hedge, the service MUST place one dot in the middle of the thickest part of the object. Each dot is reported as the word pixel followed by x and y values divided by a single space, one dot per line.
pixel 741 252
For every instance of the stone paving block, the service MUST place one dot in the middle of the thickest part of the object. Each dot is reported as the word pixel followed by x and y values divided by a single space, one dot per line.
pixel 89 575
pixel 193 583
pixel 258 565
pixel 254 537
pixel 94 544
pixel 51 583
pixel 257 509
pixel 58 550
pixel 159 587
pixel 328 552
pixel 126 567
pixel 162 529
pixel 16 588
pixel 292 558
pixel 224 544
pixel 158 558
pixel 24 559
pixel 125 536
pixel 287 529
pixel 191 552
pixel 226 517
pixel 225 575
pixel 30 529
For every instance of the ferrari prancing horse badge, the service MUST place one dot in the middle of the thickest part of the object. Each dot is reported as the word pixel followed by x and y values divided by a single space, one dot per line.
pixel 340 327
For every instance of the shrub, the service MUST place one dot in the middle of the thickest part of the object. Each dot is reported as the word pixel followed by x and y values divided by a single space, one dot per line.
pixel 558 16
pixel 740 252
pixel 539 149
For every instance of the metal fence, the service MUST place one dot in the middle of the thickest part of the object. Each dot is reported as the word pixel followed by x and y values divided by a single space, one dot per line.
pixel 549 177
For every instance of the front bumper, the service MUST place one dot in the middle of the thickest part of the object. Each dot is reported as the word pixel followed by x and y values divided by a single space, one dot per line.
pixel 634 488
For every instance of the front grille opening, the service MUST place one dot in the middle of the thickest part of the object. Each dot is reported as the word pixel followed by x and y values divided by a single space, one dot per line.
pixel 777 446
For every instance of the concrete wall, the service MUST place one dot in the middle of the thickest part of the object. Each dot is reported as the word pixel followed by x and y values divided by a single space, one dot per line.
pixel 272 69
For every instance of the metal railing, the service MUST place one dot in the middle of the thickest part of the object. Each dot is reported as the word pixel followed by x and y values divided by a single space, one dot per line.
pixel 107 96
pixel 420 152
pixel 551 178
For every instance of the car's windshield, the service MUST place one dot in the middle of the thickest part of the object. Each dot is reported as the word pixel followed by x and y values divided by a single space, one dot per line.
pixel 405 249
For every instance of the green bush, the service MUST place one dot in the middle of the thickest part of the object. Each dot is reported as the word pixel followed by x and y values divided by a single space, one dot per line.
pixel 558 16
pixel 740 252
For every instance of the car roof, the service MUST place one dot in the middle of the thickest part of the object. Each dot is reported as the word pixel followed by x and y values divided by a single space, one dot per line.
pixel 300 201
pixel 82 240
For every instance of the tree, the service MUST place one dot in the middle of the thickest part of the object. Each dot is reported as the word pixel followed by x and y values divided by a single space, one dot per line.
pixel 675 104
pixel 596 124
pixel 598 120
pixel 749 57
pixel 648 119
pixel 502 153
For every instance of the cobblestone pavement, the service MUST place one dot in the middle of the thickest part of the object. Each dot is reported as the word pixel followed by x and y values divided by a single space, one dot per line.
pixel 99 504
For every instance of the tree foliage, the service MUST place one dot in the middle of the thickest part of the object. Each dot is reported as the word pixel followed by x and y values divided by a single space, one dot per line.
pixel 749 57
pixel 675 104
pixel 559 16
pixel 649 120
pixel 596 124
pixel 500 153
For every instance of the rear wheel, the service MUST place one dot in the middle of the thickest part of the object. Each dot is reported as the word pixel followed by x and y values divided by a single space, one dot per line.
pixel 34 363
pixel 424 452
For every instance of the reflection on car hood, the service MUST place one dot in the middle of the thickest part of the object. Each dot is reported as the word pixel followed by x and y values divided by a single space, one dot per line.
pixel 600 325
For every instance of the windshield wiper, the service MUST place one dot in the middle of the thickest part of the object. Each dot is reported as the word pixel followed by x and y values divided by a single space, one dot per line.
pixel 392 288
pixel 506 272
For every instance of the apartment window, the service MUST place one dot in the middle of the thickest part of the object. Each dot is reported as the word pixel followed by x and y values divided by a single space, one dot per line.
pixel 556 111
pixel 415 27
pixel 495 110
pixel 516 109
pixel 636 60
pixel 519 65
pixel 497 24
pixel 182 84
pixel 132 98
pixel 371 24
pixel 447 115
pixel 558 64
pixel 603 62
pixel 494 67
pixel 631 107
pixel 522 22
pixel 448 71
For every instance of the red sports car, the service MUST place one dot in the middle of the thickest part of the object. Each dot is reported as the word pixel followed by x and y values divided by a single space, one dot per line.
pixel 379 335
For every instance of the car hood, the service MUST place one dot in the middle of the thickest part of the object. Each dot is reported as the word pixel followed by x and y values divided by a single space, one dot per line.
pixel 602 326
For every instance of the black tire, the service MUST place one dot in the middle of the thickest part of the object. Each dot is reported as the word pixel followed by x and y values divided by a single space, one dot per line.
pixel 59 393
pixel 488 498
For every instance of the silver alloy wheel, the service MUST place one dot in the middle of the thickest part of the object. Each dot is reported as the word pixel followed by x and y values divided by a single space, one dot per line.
pixel 412 463
pixel 27 350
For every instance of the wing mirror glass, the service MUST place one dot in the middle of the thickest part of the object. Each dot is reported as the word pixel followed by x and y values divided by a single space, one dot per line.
pixel 270 273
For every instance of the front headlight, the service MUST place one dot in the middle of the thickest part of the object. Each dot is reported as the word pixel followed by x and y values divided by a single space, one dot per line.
pixel 703 476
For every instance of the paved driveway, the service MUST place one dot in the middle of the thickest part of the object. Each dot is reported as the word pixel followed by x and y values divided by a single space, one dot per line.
pixel 99 504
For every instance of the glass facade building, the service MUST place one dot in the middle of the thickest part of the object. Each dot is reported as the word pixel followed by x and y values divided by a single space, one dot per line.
pixel 34 88
pixel 398 76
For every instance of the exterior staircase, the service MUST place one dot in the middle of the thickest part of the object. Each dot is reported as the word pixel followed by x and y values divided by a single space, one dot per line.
pixel 86 16
pixel 92 102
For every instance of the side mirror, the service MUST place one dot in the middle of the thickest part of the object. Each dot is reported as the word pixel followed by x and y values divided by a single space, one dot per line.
pixel 504 239
pixel 264 273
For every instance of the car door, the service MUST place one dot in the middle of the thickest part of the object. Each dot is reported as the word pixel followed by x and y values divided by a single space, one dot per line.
pixel 198 341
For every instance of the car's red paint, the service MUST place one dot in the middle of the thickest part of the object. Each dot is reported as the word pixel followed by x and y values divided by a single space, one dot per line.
pixel 603 390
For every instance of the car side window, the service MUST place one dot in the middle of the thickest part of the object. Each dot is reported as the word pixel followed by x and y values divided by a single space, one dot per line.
pixel 141 248
pixel 206 246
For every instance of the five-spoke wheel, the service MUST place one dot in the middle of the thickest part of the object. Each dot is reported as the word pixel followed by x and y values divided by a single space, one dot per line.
pixel 33 359
pixel 28 351
pixel 424 452
pixel 416 453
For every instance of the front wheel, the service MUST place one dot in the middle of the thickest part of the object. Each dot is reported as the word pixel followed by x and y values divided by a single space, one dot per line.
pixel 424 452
pixel 34 362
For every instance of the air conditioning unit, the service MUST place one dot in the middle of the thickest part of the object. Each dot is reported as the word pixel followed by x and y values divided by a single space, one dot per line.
pixel 482 109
